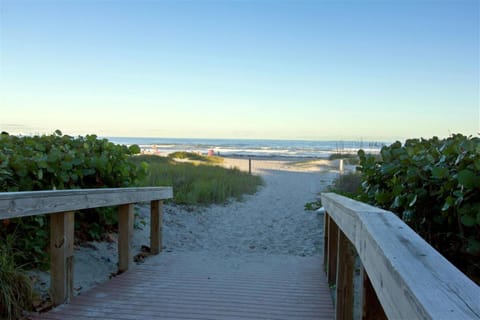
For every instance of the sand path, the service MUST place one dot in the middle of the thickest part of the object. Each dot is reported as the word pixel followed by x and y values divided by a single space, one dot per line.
pixel 273 221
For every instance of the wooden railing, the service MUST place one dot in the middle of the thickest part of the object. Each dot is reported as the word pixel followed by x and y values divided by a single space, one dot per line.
pixel 61 206
pixel 402 276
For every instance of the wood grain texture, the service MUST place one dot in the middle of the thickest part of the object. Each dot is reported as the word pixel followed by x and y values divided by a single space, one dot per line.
pixel 125 235
pixel 345 268
pixel 332 252
pixel 156 208
pixel 412 280
pixel 61 256
pixel 326 219
pixel 29 203
pixel 195 286
pixel 370 306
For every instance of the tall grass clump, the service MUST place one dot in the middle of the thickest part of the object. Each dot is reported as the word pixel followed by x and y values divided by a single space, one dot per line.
pixel 348 184
pixel 16 290
pixel 351 158
pixel 195 183
pixel 194 157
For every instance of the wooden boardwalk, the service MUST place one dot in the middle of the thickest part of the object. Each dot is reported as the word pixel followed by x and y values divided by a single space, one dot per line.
pixel 194 286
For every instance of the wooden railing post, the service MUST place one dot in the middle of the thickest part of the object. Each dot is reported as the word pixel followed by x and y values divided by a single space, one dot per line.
pixel 371 307
pixel 156 210
pixel 332 251
pixel 61 256
pixel 345 269
pixel 125 234
pixel 326 219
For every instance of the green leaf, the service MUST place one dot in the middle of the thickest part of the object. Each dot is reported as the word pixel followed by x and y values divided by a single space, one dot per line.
pixel 448 203
pixel 439 172
pixel 397 202
pixel 468 179
pixel 468 221
pixel 477 164
pixel 388 169
pixel 473 246
pixel 412 200
pixel 407 215
pixel 382 197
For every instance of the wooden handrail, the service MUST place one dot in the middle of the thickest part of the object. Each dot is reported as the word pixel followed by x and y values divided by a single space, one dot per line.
pixel 30 203
pixel 61 205
pixel 409 277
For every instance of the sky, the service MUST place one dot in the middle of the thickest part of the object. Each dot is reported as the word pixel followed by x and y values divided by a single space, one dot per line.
pixel 379 69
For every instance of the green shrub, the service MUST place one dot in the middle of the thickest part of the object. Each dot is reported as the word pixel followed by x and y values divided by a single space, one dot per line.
pixel 198 183
pixel 62 162
pixel 16 293
pixel 434 186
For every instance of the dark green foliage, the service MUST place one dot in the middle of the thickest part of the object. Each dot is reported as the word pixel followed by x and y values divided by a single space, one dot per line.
pixel 198 183
pixel 433 185
pixel 62 162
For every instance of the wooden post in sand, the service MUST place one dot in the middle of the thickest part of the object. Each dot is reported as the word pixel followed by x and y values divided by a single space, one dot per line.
pixel 156 226
pixel 249 165
pixel 344 281
pixel 61 256
pixel 125 234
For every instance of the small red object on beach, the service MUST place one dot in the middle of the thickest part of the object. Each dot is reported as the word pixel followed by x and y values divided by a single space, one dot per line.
pixel 210 153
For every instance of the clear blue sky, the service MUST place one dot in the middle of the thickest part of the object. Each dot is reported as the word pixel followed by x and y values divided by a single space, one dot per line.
pixel 379 70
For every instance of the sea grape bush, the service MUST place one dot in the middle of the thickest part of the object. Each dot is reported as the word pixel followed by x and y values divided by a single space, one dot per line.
pixel 434 186
pixel 60 161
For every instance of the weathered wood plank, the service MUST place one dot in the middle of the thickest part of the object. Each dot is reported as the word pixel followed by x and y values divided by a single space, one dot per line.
pixel 412 280
pixel 332 251
pixel 325 240
pixel 370 306
pixel 345 268
pixel 194 286
pixel 28 203
pixel 61 256
pixel 156 208
pixel 125 235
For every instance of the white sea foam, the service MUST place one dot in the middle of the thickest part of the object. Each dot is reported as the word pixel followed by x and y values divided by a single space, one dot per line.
pixel 238 147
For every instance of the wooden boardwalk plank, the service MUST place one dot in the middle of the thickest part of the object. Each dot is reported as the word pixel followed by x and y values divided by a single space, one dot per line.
pixel 195 286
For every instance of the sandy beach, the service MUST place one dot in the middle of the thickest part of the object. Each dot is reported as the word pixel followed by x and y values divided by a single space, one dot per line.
pixel 266 225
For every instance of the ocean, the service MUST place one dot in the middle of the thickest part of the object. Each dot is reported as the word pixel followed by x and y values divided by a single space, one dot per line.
pixel 250 147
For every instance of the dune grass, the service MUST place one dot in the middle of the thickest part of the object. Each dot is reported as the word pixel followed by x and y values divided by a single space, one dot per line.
pixel 348 184
pixel 195 183
pixel 351 158
pixel 194 157
pixel 16 292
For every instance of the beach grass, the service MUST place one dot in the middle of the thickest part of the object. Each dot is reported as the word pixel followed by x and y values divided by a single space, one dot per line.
pixel 198 183
pixel 351 158
pixel 195 157
pixel 16 292
pixel 348 184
